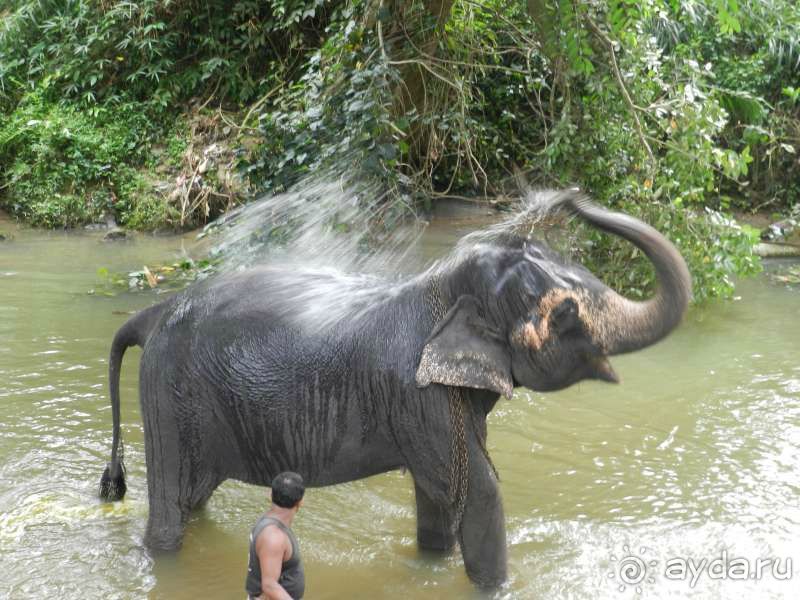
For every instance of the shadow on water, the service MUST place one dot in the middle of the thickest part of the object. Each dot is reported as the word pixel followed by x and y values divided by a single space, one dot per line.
pixel 222 572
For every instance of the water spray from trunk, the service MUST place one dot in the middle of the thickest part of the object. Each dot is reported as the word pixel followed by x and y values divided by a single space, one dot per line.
pixel 324 221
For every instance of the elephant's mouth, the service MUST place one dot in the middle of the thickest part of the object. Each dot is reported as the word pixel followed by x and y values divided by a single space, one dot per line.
pixel 559 375
pixel 602 370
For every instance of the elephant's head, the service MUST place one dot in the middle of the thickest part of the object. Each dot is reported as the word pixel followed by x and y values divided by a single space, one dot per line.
pixel 520 315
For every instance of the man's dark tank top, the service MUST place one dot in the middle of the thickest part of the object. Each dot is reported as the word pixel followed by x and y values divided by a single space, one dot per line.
pixel 292 577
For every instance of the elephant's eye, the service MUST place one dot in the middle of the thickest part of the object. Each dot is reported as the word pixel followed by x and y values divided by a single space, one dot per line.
pixel 564 318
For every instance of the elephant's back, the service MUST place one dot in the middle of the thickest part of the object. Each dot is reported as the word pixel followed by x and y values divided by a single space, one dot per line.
pixel 318 316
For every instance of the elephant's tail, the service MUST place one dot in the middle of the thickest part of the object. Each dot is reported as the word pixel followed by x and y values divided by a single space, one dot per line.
pixel 133 333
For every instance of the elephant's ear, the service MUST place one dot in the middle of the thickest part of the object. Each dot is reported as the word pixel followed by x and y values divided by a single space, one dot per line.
pixel 462 352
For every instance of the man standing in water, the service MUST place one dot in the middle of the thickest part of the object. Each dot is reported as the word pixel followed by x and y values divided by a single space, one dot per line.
pixel 275 571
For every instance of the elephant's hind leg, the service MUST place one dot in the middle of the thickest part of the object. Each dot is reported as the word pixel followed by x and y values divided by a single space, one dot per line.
pixel 169 471
pixel 176 488
pixel 203 488
pixel 165 523
pixel 168 508
pixel 434 524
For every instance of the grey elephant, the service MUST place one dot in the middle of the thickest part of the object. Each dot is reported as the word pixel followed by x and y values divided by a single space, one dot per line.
pixel 268 370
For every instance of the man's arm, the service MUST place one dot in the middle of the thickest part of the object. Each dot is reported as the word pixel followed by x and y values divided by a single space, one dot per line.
pixel 270 548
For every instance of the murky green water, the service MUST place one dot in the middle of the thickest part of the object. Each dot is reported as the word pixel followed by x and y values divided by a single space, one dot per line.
pixel 696 453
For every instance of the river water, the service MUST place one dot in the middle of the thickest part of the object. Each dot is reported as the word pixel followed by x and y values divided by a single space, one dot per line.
pixel 694 457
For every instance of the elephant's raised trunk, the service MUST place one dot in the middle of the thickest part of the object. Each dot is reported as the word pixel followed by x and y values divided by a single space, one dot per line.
pixel 625 325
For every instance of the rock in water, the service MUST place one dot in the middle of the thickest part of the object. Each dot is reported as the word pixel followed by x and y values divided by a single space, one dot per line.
pixel 117 235
pixel 778 231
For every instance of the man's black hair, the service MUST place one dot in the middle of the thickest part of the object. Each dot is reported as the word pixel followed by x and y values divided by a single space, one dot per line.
pixel 287 489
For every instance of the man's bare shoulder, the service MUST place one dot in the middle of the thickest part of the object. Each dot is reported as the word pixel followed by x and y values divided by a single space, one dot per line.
pixel 273 540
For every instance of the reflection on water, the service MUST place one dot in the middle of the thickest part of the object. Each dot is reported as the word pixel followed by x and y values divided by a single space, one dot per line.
pixel 696 453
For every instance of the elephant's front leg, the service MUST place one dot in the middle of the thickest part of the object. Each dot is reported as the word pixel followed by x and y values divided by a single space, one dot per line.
pixel 482 534
pixel 435 529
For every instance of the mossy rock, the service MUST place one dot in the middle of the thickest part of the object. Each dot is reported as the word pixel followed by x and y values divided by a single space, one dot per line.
pixel 117 235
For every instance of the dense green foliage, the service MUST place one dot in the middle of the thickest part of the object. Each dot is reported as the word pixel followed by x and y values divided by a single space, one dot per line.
pixel 67 167
pixel 89 92
pixel 156 51
pixel 676 111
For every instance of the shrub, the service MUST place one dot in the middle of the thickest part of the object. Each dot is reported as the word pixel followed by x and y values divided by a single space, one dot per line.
pixel 63 166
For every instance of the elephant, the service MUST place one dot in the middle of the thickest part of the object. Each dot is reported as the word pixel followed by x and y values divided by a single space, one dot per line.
pixel 271 369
